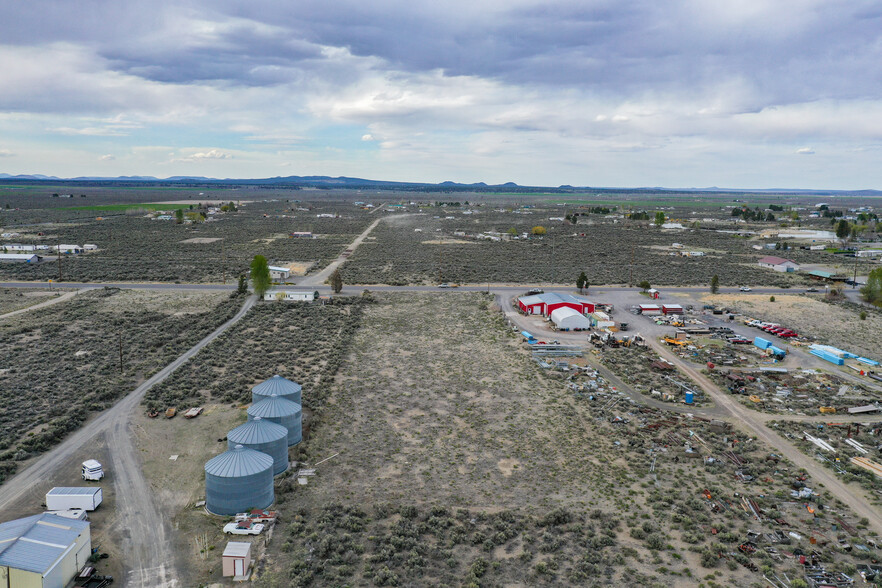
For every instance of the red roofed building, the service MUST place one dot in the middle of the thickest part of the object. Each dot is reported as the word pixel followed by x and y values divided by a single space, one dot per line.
pixel 779 264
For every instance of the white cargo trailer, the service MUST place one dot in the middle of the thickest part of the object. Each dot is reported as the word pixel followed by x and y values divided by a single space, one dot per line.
pixel 60 498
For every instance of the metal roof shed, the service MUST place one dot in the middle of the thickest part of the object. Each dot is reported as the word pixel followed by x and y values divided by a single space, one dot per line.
pixel 43 550
pixel 567 319
pixel 236 559
pixel 238 479
pixel 281 387
pixel 264 436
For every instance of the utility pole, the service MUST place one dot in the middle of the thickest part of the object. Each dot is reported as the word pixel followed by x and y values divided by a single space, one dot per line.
pixel 58 251
pixel 440 258
pixel 120 353
pixel 854 281
pixel 631 269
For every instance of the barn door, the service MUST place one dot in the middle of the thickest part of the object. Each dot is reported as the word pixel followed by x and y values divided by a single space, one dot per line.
pixel 238 567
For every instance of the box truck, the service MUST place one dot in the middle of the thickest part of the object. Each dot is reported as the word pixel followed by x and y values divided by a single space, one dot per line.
pixel 60 498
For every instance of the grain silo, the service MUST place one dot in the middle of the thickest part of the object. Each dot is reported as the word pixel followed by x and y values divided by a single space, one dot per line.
pixel 263 436
pixel 237 480
pixel 281 387
pixel 282 412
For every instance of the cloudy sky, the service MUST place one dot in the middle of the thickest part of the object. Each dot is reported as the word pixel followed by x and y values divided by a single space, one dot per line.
pixel 754 93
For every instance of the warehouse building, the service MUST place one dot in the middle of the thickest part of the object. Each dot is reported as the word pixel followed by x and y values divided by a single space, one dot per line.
pixel 779 264
pixel 545 304
pixel 19 257
pixel 567 319
pixel 43 551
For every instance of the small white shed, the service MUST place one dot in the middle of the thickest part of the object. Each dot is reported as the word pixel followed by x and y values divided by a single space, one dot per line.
pixel 278 273
pixel 567 319
pixel 236 559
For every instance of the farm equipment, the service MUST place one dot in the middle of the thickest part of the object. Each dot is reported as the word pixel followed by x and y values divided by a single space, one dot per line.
pixel 677 342
pixel 827 409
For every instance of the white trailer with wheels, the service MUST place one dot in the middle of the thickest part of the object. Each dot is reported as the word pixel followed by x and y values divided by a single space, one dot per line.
pixel 92 470
pixel 61 498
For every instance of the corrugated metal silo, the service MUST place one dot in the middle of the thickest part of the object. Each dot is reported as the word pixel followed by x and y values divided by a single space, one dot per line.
pixel 281 387
pixel 282 412
pixel 266 437
pixel 238 479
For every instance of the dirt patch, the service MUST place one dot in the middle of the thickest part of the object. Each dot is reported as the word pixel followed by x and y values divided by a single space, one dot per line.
pixel 201 240
pixel 448 242
pixel 507 466
pixel 179 483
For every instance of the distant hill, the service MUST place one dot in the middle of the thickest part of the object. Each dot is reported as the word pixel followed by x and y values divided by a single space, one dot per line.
pixel 328 182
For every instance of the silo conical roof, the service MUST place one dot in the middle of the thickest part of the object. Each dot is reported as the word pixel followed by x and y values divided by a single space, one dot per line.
pixel 256 432
pixel 264 436
pixel 238 462
pixel 284 412
pixel 279 386
pixel 274 407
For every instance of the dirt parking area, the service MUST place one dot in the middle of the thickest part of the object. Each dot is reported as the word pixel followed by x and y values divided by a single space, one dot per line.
pixel 173 453
pixel 827 322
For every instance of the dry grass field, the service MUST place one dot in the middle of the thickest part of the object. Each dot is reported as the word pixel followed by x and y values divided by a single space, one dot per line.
pixel 12 299
pixel 460 462
pixel 61 363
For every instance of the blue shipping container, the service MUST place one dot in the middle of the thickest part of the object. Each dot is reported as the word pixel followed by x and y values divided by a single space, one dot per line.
pixel 762 343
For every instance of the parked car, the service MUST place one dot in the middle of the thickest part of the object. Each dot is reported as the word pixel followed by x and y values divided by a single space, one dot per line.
pixel 244 528
pixel 789 335
pixel 744 289
pixel 740 340
pixel 257 516
pixel 812 289
pixel 444 285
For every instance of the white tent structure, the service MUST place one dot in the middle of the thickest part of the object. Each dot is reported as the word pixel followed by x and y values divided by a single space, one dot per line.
pixel 567 319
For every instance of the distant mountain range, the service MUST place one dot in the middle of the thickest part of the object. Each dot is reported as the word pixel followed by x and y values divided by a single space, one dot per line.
pixel 327 182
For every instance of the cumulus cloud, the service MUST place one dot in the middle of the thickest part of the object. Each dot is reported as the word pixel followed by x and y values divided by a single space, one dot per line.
pixel 6 153
pixel 210 155
pixel 805 151
pixel 523 83
pixel 107 157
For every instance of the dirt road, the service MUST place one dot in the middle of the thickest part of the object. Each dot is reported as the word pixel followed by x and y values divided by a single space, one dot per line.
pixel 56 300
pixel 319 278
pixel 142 530
pixel 754 422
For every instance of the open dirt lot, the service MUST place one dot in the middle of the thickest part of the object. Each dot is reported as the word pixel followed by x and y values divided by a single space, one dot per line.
pixel 829 323
pixel 179 483
pixel 461 462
